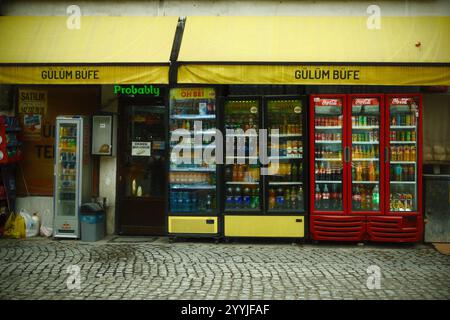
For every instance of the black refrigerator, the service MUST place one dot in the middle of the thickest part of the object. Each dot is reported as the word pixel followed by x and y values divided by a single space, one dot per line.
pixel 265 166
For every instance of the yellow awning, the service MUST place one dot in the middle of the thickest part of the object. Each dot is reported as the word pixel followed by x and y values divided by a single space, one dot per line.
pixel 108 48
pixel 243 49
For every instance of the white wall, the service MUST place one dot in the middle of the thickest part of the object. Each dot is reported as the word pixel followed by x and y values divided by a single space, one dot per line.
pixel 108 165
pixel 220 8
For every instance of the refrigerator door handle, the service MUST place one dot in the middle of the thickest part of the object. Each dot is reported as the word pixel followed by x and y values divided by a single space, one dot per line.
pixel 347 154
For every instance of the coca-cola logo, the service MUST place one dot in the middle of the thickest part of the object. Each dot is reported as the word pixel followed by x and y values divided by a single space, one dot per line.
pixel 365 101
pixel 330 102
pixel 401 100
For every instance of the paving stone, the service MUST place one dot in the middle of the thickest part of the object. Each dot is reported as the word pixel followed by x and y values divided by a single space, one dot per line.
pixel 37 268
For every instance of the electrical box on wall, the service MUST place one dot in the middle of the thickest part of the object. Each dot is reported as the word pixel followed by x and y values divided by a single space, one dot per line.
pixel 102 135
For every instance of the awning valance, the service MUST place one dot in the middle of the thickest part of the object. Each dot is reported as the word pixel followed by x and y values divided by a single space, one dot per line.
pixel 105 50
pixel 315 50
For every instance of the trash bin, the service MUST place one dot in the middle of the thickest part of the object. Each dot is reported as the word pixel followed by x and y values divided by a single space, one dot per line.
pixel 93 219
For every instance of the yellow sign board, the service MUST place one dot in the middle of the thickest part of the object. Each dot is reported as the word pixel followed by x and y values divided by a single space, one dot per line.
pixel 84 74
pixel 192 93
pixel 314 74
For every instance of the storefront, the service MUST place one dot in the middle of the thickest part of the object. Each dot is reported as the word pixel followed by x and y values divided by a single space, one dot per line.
pixel 348 188
pixel 84 71
pixel 245 73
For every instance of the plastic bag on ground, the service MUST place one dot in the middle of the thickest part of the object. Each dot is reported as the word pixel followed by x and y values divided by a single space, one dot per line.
pixel 31 227
pixel 15 226
pixel 46 229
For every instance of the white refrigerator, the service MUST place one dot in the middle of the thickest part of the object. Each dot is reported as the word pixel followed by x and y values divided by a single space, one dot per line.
pixel 73 174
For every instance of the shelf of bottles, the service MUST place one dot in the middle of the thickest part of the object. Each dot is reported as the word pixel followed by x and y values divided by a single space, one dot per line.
pixel 192 177
pixel 403 154
pixel 242 169
pixel 365 162
pixel 286 176
pixel 67 169
pixel 328 164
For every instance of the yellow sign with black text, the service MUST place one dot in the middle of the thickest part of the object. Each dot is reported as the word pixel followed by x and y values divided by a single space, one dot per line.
pixel 314 74
pixel 84 74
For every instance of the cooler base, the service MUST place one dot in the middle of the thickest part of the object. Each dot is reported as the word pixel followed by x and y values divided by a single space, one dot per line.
pixel 395 228
pixel 338 228
pixel 179 225
pixel 265 226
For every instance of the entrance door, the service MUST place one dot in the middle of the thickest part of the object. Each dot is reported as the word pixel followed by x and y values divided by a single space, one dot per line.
pixel 142 169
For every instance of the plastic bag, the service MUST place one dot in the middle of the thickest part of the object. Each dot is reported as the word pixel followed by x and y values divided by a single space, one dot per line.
pixel 46 231
pixel 15 226
pixel 31 227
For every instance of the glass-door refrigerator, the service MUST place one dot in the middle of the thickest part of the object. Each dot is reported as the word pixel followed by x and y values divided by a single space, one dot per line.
pixel 193 192
pixel 366 133
pixel 264 197
pixel 330 158
pixel 72 172
pixel 402 221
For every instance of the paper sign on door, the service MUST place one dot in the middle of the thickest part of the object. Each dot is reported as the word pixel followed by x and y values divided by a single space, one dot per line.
pixel 142 149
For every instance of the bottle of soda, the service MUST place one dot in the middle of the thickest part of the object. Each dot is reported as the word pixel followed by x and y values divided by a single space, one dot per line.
pixel 272 198
pixel 246 198
pixel 280 199
pixel 317 198
pixel 356 199
pixel 326 198
pixel 300 197
pixel 375 198
pixel 294 172
pixel 237 198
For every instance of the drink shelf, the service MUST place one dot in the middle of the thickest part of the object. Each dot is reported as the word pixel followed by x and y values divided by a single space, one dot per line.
pixel 328 141
pixel 365 159
pixel 403 182
pixel 193 146
pixel 365 142
pixel 286 135
pixel 402 142
pixel 193 133
pixel 403 127
pixel 192 186
pixel 286 157
pixel 328 181
pixel 193 169
pixel 328 127
pixel 67 150
pixel 68 137
pixel 284 183
pixel 239 135
pixel 242 182
pixel 328 159
pixel 403 162
pixel 365 182
pixel 239 157
pixel 366 127
pixel 193 116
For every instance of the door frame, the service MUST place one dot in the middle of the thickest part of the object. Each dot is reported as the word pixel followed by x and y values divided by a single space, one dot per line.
pixel 123 102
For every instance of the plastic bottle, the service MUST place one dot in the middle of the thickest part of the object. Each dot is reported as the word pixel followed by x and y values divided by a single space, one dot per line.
pixel 375 198
pixel 326 198
pixel 317 198
pixel 229 201
pixel 356 199
pixel 247 198
pixel 237 198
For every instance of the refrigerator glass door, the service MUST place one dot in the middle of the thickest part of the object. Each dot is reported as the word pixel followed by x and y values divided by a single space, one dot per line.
pixel 67 170
pixel 193 173
pixel 365 158
pixel 242 168
pixel 328 157
pixel 403 124
pixel 285 186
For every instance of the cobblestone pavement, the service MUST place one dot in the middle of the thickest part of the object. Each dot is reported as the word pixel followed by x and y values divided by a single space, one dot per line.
pixel 37 269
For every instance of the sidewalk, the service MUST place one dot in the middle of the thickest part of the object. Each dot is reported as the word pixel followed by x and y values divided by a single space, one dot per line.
pixel 153 268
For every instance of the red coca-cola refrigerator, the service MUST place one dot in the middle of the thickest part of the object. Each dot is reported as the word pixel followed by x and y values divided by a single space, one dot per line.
pixel 402 218
pixel 359 191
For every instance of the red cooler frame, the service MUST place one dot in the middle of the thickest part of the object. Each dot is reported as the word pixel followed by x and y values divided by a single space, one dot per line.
pixel 333 225
pixel 399 226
